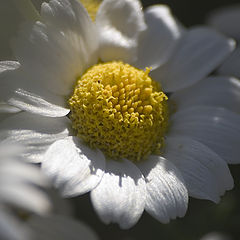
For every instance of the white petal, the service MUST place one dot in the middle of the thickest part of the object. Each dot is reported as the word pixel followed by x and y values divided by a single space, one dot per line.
pixel 206 175
pixel 120 196
pixel 8 66
pixel 217 128
pixel 24 196
pixel 198 53
pixel 6 108
pixel 56 52
pixel 36 104
pixel 22 172
pixel 14 80
pixel 231 66
pixel 36 133
pixel 212 91
pixel 156 44
pixel 58 227
pixel 73 167
pixel 119 24
pixel 225 20
pixel 167 196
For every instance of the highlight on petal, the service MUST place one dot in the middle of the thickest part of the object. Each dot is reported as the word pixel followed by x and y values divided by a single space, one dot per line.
pixel 197 54
pixel 119 24
pixel 36 104
pixel 158 41
pixel 213 91
pixel 120 196
pixel 206 175
pixel 167 195
pixel 73 167
pixel 57 50
pixel 217 128
pixel 35 133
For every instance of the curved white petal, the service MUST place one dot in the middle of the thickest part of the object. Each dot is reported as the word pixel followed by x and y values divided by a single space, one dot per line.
pixel 167 196
pixel 119 24
pixel 156 44
pixel 57 227
pixel 34 98
pixel 217 128
pixel 225 20
pixel 198 53
pixel 56 51
pixel 33 103
pixel 73 167
pixel 8 66
pixel 231 66
pixel 35 133
pixel 6 108
pixel 206 175
pixel 120 196
pixel 212 91
pixel 24 196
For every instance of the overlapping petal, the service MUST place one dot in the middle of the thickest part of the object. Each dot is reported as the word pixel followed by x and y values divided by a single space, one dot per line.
pixel 119 24
pixel 213 91
pixel 157 42
pixel 217 128
pixel 206 175
pixel 35 133
pixel 73 167
pixel 120 196
pixel 197 54
pixel 167 195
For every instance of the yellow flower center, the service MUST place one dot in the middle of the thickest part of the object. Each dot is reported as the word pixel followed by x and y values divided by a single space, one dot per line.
pixel 92 7
pixel 120 110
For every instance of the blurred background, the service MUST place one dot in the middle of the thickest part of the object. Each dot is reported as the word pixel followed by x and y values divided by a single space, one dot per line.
pixel 202 216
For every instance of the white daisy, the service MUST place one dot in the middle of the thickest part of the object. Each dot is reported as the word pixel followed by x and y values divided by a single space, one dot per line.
pixel 124 143
pixel 226 21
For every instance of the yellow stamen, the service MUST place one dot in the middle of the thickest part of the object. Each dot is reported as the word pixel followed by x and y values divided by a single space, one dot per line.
pixel 120 110
pixel 92 7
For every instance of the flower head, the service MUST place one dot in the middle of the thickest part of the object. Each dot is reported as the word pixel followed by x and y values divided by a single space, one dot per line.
pixel 96 109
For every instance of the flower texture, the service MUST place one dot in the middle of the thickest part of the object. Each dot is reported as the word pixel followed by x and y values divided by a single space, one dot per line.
pixel 115 107
pixel 225 20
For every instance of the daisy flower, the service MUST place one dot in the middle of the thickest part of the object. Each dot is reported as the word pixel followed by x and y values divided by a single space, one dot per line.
pixel 97 113
pixel 226 21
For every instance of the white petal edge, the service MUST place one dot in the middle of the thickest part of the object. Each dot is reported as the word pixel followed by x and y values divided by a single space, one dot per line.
pixel 167 195
pixel 231 66
pixel 33 103
pixel 35 133
pixel 206 175
pixel 120 196
pixel 158 41
pixel 225 20
pixel 216 91
pixel 197 54
pixel 119 24
pixel 73 167
pixel 217 128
